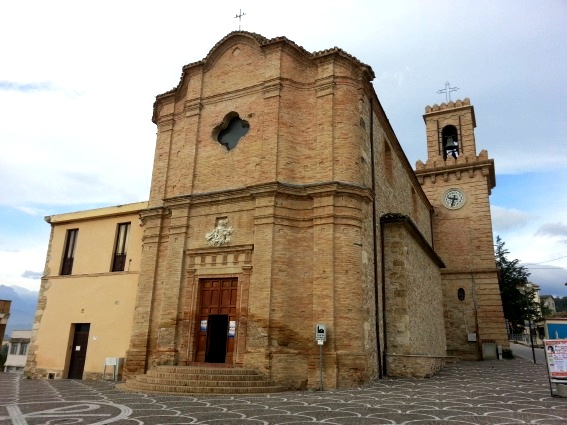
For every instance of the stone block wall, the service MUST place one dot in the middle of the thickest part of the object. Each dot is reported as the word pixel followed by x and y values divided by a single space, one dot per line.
pixel 415 366
pixel 414 300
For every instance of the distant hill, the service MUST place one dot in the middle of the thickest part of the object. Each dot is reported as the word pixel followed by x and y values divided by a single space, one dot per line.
pixel 22 310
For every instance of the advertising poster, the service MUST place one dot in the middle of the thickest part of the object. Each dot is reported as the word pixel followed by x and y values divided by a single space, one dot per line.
pixel 556 355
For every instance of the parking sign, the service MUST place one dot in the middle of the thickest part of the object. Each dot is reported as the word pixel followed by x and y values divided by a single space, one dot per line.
pixel 320 332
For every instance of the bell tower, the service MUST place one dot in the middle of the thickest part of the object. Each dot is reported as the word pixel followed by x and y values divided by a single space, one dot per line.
pixel 450 131
pixel 458 183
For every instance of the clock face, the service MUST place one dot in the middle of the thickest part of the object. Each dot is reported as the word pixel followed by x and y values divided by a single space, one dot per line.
pixel 454 199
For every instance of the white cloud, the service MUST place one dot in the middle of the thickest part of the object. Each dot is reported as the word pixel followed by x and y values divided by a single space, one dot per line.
pixel 552 229
pixel 398 77
pixel 507 219
pixel 15 266
pixel 28 274
pixel 30 211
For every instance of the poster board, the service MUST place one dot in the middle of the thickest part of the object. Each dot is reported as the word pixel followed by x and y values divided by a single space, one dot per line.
pixel 556 358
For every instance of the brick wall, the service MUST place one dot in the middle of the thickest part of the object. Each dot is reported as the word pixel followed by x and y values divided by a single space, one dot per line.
pixel 297 189
pixel 463 237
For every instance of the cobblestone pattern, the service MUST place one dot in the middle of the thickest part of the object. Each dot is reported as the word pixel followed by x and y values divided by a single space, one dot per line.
pixel 492 392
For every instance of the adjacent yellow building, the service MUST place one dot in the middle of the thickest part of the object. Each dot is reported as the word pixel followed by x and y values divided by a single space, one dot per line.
pixel 87 292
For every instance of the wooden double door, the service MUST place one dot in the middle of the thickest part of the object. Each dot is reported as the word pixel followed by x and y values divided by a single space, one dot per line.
pixel 217 320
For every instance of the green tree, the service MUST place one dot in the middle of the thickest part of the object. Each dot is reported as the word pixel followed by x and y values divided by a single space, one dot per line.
pixel 517 299
pixel 560 304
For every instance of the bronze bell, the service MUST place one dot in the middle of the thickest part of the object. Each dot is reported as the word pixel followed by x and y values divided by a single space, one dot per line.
pixel 451 144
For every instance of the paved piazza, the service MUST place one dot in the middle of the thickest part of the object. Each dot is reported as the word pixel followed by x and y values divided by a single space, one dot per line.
pixel 493 392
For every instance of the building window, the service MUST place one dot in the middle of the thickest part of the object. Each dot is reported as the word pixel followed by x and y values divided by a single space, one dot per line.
pixel 69 253
pixel 14 348
pixel 23 349
pixel 231 130
pixel 119 260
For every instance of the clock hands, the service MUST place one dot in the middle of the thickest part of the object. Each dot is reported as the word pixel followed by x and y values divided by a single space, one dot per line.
pixel 453 199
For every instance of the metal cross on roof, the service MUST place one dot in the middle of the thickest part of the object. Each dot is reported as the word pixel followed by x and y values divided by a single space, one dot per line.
pixel 239 16
pixel 447 90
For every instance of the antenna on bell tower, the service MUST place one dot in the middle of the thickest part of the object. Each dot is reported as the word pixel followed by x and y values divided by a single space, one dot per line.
pixel 239 16
pixel 447 90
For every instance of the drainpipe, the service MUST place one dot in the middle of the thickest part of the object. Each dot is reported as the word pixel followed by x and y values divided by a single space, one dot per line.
pixel 383 260
pixel 374 242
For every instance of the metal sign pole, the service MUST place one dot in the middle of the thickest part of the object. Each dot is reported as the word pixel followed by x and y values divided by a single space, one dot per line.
pixel 320 337
pixel 321 365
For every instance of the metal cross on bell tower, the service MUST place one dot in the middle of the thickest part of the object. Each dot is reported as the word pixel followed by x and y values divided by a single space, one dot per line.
pixel 239 16
pixel 447 90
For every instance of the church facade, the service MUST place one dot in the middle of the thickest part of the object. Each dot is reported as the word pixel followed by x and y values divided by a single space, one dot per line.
pixel 281 199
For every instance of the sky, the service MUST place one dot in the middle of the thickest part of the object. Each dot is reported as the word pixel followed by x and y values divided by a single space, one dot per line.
pixel 78 80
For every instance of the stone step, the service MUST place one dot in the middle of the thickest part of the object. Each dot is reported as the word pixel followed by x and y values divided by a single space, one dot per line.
pixel 200 379
pixel 203 377
pixel 187 370
pixel 188 390
pixel 202 382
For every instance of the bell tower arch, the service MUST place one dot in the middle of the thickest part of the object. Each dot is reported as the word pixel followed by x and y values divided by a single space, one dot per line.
pixel 450 141
pixel 458 183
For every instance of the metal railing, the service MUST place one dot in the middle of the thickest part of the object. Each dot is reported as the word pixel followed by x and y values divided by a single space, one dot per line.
pixel 519 338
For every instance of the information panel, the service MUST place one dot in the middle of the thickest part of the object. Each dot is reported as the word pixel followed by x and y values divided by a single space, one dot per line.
pixel 556 355
pixel 320 333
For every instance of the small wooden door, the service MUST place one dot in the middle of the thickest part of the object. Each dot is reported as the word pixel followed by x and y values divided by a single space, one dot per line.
pixel 79 350
pixel 217 321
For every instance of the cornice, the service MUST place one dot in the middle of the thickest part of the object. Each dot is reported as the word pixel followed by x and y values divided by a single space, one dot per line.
pixel 449 271
pixel 153 213
pixel 220 249
pixel 444 108
pixel 485 166
pixel 273 189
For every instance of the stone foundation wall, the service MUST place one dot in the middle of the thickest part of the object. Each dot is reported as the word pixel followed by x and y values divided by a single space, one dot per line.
pixel 414 365
pixel 414 308
pixel 40 373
